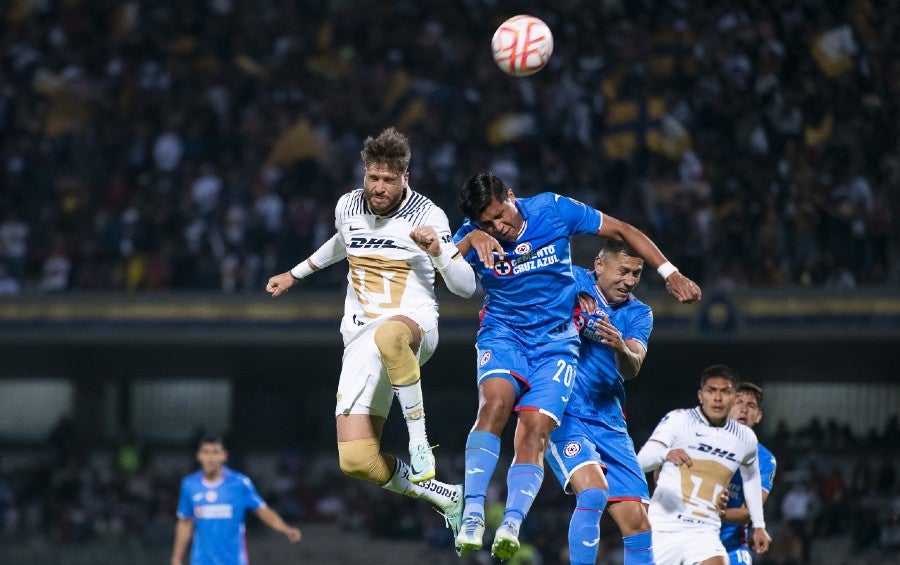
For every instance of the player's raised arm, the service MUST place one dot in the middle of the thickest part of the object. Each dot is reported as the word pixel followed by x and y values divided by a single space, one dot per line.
pixel 679 286
pixel 484 244
pixel 458 274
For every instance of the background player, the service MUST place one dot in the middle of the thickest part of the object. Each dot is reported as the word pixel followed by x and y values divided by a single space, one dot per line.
pixel 697 451
pixel 393 239
pixel 527 345
pixel 591 452
pixel 211 508
pixel 747 410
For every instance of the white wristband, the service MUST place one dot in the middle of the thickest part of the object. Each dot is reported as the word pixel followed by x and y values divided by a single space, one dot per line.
pixel 666 269
pixel 442 261
pixel 301 270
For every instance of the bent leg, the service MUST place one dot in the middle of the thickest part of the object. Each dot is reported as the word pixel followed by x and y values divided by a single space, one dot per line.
pixel 359 448
pixel 631 517
pixel 398 339
pixel 360 457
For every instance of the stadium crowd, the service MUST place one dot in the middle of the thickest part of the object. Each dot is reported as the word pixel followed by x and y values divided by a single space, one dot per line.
pixel 834 492
pixel 151 146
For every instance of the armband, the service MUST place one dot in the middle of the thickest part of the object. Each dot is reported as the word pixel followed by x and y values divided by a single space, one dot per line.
pixel 301 270
pixel 666 269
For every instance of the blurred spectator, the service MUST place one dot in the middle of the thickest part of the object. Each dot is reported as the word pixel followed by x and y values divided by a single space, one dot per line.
pixel 799 509
pixel 763 137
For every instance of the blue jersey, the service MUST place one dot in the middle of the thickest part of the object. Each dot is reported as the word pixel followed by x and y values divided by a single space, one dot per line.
pixel 599 391
pixel 218 513
pixel 532 290
pixel 734 536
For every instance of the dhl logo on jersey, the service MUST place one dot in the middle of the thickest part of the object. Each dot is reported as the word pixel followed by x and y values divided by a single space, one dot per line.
pixel 715 451
pixel 372 243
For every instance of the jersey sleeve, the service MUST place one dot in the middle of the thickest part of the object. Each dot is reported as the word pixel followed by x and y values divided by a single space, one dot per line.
pixel 752 453
pixel 339 210
pixel 185 505
pixel 639 327
pixel 253 499
pixel 330 252
pixel 580 218
pixel 767 467
pixel 668 428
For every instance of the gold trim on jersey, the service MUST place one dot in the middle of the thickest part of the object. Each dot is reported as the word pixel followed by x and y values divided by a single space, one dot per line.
pixel 702 482
pixel 378 281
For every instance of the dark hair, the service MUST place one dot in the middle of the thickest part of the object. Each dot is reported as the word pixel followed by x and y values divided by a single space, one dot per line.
pixel 615 246
pixel 719 371
pixel 390 148
pixel 478 192
pixel 210 438
pixel 751 388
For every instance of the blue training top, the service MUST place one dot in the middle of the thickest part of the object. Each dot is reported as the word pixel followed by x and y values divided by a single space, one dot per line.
pixel 599 382
pixel 532 290
pixel 218 513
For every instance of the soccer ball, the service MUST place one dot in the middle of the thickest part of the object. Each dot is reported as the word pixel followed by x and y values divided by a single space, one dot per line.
pixel 522 45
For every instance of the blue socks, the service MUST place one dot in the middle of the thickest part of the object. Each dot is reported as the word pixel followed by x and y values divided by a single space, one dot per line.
pixel 482 452
pixel 584 527
pixel 639 549
pixel 523 480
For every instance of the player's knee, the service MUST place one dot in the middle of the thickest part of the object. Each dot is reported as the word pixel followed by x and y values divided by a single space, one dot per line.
pixel 630 515
pixel 393 339
pixel 362 459
pixel 593 498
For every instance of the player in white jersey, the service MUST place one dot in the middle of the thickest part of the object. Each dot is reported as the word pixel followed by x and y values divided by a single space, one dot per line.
pixel 697 451
pixel 393 239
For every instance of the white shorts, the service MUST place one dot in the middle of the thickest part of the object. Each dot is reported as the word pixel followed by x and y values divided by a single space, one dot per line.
pixel 364 386
pixel 687 547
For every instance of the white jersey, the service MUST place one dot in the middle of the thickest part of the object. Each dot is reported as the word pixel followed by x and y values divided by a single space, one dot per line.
pixel 388 273
pixel 685 497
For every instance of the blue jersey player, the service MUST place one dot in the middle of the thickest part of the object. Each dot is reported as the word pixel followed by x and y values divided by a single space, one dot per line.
pixel 527 345
pixel 591 453
pixel 211 510
pixel 747 410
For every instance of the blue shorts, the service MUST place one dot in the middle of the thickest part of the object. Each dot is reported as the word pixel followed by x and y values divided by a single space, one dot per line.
pixel 578 442
pixel 542 373
pixel 740 556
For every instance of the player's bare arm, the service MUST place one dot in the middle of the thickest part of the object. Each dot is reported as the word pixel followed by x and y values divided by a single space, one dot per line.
pixel 682 288
pixel 761 540
pixel 679 457
pixel 272 519
pixel 184 531
pixel 281 283
pixel 629 355
pixel 484 244
pixel 587 303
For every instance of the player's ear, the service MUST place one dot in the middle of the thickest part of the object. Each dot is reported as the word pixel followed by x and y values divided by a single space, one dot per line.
pixel 510 195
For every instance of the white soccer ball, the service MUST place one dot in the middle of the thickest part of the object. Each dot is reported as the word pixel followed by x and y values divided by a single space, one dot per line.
pixel 522 45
